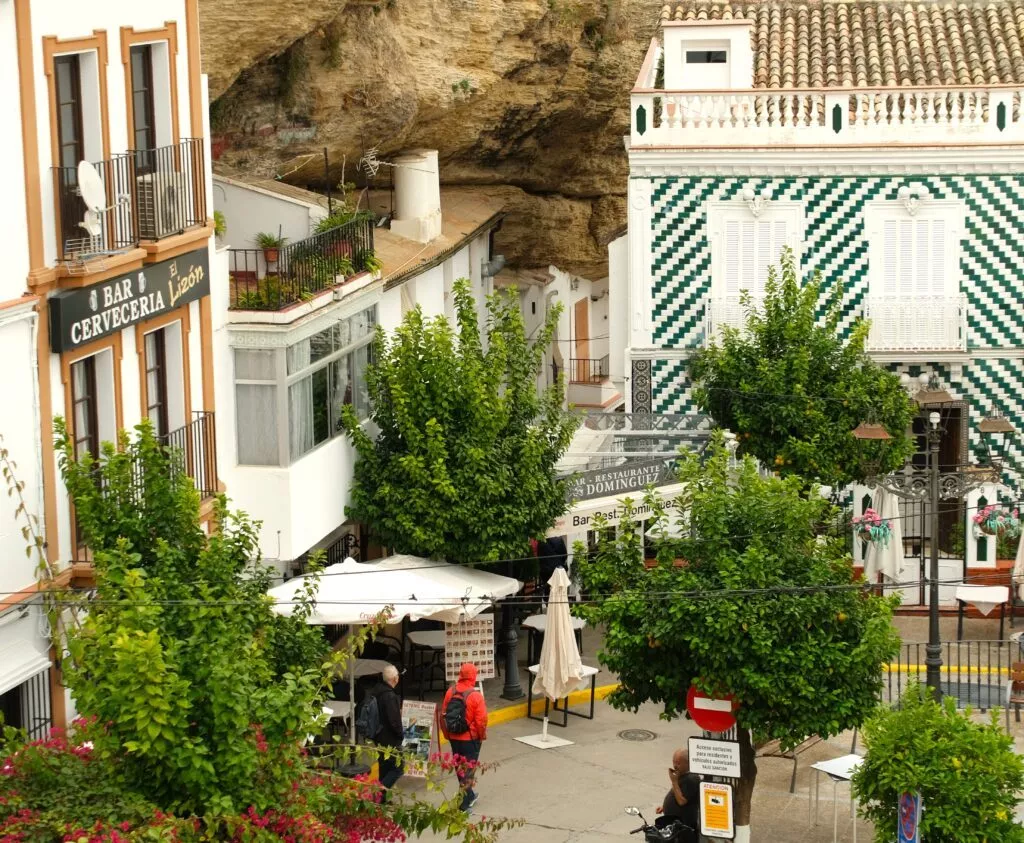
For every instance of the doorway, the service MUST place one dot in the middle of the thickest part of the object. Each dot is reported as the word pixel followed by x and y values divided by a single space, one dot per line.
pixel 581 342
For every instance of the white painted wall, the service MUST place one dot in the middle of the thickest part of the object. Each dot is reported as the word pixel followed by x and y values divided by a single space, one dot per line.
pixel 732 37
pixel 618 304
pixel 247 212
pixel 430 291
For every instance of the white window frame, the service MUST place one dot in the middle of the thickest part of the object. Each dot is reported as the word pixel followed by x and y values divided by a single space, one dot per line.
pixel 951 211
pixel 738 210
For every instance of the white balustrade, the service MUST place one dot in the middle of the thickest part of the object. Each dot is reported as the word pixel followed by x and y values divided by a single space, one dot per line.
pixel 885 114
pixel 917 323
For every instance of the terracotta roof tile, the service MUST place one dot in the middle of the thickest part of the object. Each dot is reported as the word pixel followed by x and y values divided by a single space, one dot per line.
pixel 874 43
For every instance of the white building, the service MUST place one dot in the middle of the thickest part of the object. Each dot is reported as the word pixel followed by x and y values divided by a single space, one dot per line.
pixel 884 143
pixel 107 322
pixel 293 343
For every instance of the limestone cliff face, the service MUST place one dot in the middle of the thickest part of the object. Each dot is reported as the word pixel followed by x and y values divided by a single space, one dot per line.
pixel 528 97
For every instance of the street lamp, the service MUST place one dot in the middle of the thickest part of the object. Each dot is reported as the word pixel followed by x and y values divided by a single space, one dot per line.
pixel 935 486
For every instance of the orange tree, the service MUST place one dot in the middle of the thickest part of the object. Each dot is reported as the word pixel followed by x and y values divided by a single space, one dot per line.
pixel 763 607
pixel 196 698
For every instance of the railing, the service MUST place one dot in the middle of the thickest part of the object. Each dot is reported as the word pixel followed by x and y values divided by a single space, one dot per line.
pixel 835 116
pixel 974 671
pixel 917 323
pixel 169 191
pixel 588 369
pixel 117 223
pixel 270 279
pixel 196 442
pixel 725 311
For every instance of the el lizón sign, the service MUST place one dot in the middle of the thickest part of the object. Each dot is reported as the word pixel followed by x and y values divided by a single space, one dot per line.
pixel 80 316
pixel 624 478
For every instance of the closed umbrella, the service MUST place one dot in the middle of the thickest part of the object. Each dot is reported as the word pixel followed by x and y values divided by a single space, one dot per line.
pixel 887 559
pixel 1018 568
pixel 561 668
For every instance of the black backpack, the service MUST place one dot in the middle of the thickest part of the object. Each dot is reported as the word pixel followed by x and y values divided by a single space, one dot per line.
pixel 368 725
pixel 456 719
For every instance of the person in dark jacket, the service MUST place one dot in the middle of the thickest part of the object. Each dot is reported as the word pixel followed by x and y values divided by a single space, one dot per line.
pixel 390 764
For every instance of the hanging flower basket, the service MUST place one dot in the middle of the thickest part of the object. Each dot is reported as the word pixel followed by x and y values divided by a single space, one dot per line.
pixel 871 527
pixel 996 521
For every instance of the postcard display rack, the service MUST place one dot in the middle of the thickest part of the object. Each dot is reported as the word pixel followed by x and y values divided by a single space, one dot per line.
pixel 469 641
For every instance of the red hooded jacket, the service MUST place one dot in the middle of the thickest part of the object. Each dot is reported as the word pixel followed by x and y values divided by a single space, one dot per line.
pixel 476 708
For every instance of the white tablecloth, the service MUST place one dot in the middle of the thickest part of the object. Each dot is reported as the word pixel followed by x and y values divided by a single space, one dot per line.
pixel 584 682
pixel 432 638
pixel 983 597
pixel 540 623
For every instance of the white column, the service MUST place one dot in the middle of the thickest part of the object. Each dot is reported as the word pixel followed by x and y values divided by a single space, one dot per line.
pixel 640 238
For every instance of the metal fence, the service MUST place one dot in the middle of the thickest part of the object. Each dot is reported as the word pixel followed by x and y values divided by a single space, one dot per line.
pixel 196 447
pixel 169 188
pixel 588 369
pixel 118 222
pixel 273 278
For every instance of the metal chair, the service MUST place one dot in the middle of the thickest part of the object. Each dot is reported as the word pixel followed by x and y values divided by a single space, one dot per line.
pixel 1015 692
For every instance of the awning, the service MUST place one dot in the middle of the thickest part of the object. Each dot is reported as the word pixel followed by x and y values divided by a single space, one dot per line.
pixel 20 660
pixel 580 518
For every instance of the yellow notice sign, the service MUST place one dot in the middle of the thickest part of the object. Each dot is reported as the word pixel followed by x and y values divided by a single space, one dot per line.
pixel 716 811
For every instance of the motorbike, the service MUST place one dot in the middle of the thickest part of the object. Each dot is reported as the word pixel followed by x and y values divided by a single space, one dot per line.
pixel 673 831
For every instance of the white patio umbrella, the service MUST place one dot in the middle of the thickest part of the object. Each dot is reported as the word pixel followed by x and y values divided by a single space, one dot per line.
pixel 1018 568
pixel 888 559
pixel 560 668
pixel 355 593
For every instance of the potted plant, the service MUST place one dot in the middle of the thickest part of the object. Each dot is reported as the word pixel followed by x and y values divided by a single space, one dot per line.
pixel 220 225
pixel 994 520
pixel 871 527
pixel 270 244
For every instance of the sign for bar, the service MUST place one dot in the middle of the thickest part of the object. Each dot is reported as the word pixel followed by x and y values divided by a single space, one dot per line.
pixel 716 817
pixel 715 758
pixel 630 477
pixel 78 317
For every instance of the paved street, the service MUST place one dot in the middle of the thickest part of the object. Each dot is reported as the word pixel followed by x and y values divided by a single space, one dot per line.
pixel 577 793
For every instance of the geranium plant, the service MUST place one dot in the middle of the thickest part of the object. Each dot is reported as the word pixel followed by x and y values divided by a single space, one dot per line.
pixel 871 527
pixel 994 520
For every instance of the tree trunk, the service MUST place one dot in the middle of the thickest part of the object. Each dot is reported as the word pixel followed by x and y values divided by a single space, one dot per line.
pixel 745 786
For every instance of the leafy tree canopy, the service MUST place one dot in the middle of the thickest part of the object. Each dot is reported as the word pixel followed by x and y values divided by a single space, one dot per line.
pixel 463 466
pixel 751 601
pixel 967 773
pixel 792 390
pixel 197 699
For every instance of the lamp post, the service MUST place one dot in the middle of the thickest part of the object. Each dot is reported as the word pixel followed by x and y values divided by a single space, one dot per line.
pixel 935 486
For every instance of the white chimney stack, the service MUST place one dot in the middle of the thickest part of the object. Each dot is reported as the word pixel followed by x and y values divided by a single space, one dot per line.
pixel 417 196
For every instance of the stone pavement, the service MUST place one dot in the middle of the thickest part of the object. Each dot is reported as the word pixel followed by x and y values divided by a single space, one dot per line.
pixel 578 792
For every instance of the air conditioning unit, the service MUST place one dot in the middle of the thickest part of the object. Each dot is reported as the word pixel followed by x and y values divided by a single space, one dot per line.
pixel 157 205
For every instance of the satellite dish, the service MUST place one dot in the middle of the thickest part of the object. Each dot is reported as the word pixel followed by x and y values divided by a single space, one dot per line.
pixel 90 185
pixel 91 223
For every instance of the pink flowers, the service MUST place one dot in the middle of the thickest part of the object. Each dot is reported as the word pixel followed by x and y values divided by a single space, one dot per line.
pixel 993 520
pixel 871 527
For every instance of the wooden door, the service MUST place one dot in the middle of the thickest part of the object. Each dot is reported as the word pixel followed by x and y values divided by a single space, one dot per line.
pixel 581 340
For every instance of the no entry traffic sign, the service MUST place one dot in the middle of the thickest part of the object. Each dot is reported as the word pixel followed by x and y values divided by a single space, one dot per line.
pixel 714 715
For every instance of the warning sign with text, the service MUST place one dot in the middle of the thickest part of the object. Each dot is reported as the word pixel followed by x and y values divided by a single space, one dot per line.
pixel 716 819
pixel 715 758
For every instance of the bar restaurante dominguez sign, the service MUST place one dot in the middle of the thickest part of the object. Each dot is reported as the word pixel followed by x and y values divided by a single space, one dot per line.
pixel 77 317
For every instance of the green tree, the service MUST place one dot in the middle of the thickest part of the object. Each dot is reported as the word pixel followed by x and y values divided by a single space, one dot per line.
pixel 463 465
pixel 751 601
pixel 793 390
pixel 196 698
pixel 967 773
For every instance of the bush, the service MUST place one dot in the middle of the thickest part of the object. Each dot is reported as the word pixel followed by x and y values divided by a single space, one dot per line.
pixel 967 773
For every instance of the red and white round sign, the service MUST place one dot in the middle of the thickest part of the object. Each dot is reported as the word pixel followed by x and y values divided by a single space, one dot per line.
pixel 714 715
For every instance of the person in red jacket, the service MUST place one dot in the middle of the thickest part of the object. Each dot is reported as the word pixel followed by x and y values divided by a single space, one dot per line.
pixel 464 724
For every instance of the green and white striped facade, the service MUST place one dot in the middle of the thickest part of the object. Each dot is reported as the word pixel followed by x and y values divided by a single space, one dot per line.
pixel 670 262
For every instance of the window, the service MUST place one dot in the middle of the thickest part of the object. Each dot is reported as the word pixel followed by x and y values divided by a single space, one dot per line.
pixel 84 411
pixel 156 381
pixel 27 706
pixel 143 111
pixel 71 137
pixel 326 372
pixel 316 378
pixel 705 56
pixel 744 247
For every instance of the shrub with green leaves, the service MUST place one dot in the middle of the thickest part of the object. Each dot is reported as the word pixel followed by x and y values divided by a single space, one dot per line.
pixel 967 773
pixel 793 389
pixel 463 465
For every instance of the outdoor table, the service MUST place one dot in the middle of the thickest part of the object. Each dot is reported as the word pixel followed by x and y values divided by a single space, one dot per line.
pixel 984 598
pixel 588 673
pixel 426 641
pixel 839 770
pixel 536 625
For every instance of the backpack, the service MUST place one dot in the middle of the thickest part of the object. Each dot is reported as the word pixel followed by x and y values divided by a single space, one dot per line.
pixel 368 725
pixel 456 717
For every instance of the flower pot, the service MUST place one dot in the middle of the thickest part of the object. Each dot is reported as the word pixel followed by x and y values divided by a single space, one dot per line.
pixel 270 255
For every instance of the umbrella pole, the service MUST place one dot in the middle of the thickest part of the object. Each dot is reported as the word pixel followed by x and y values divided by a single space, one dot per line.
pixel 352 700
pixel 544 732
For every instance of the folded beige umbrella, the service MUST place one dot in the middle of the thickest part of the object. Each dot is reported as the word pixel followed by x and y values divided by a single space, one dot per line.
pixel 560 669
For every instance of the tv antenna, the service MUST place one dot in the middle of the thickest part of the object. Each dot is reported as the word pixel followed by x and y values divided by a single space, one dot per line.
pixel 93 192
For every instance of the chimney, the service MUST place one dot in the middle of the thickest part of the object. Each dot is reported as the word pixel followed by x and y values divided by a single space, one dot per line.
pixel 417 196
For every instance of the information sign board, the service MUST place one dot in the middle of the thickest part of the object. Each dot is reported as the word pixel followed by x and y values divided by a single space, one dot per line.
pixel 715 758
pixel 716 807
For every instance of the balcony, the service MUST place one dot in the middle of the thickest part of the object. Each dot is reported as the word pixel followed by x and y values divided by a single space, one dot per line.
pixel 587 370
pixel 917 323
pixel 725 312
pixel 273 279
pixel 836 117
pixel 152 194
pixel 193 451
